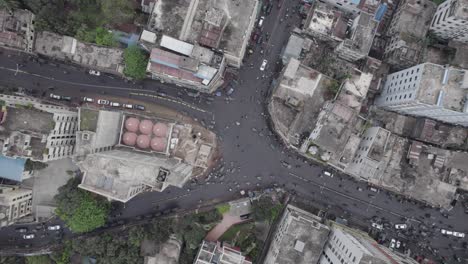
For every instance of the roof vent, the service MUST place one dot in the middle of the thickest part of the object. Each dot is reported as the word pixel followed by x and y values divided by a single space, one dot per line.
pixel 299 246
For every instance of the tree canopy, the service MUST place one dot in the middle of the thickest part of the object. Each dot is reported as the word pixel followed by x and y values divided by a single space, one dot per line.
pixel 79 209
pixel 135 63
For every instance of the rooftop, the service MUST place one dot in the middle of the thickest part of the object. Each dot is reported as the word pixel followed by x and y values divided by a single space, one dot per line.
pixel 434 132
pixel 12 169
pixel 460 9
pixel 417 13
pixel 119 173
pixel 361 35
pixel 16 28
pixel 327 21
pixel 293 48
pixel 443 87
pixel 64 47
pixel 303 237
pixel 218 24
pixel 379 145
pixel 211 252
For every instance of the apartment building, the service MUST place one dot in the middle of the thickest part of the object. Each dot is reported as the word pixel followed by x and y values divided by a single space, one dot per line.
pixel 36 130
pixel 428 90
pixel 15 203
pixel 450 22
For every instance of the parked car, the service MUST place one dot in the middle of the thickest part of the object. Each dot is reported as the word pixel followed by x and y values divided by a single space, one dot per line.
pixel 260 40
pixel 193 94
pixel 87 99
pixel 55 96
pixel 255 36
pixel 398 244
pixel 114 104
pixel 446 232
pixel 328 174
pixel 22 229
pixel 129 106
pixel 392 243
pixel 54 227
pixel 103 102
pixel 373 189
pixel 95 73
pixel 230 91
pixel 140 107
pixel 260 21
pixel 377 226
pixel 268 8
pixel 28 236
pixel 285 164
pixel 401 226
pixel 66 98
pixel 459 234
pixel 263 66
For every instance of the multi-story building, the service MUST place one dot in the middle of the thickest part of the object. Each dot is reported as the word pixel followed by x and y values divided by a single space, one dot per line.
pixel 428 90
pixel 450 22
pixel 38 131
pixel 17 29
pixel 358 41
pixel 299 238
pixel 346 245
pixel 123 154
pixel 187 65
pixel 220 253
pixel 405 44
pixel 15 203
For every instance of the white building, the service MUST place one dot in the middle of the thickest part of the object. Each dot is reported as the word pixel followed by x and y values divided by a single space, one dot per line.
pixel 450 21
pixel 220 253
pixel 15 202
pixel 347 245
pixel 428 90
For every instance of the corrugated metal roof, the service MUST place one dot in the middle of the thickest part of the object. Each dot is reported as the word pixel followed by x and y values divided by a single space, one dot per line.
pixel 176 45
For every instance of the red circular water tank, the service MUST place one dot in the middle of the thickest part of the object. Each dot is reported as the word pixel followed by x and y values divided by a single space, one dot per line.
pixel 129 138
pixel 158 144
pixel 143 141
pixel 160 130
pixel 146 126
pixel 131 124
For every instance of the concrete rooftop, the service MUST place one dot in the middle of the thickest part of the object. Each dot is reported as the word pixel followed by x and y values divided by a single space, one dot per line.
pixel 418 14
pixel 431 87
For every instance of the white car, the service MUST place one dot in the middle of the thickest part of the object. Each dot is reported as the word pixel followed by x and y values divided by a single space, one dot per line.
pixel 459 234
pixel 401 226
pixel 95 73
pixel 260 21
pixel 377 226
pixel 87 99
pixel 263 66
pixel 446 232
pixel 28 236
pixel 55 96
pixel 103 102
pixel 327 173
pixel 114 104
pixel 54 227
pixel 129 106
pixel 392 243
pixel 398 244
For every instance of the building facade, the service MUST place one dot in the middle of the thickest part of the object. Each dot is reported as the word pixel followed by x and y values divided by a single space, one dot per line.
pixel 428 90
pixel 450 22
pixel 404 45
pixel 347 245
pixel 15 203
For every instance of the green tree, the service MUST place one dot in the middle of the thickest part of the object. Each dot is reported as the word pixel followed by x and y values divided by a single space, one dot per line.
pixel 62 256
pixel 135 63
pixel 136 234
pixel 105 38
pixel 265 209
pixel 11 260
pixel 79 209
pixel 43 259
pixel 9 4
pixel 34 165
pixel 116 11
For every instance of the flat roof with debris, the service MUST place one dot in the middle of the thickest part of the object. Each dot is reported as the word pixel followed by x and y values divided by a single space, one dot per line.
pixel 327 21
pixel 13 28
pixel 302 237
pixel 442 86
pixel 418 14
pixel 362 33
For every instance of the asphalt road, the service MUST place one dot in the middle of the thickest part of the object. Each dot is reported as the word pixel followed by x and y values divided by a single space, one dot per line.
pixel 252 155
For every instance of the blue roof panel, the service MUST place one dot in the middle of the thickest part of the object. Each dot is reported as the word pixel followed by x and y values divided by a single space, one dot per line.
pixel 11 168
